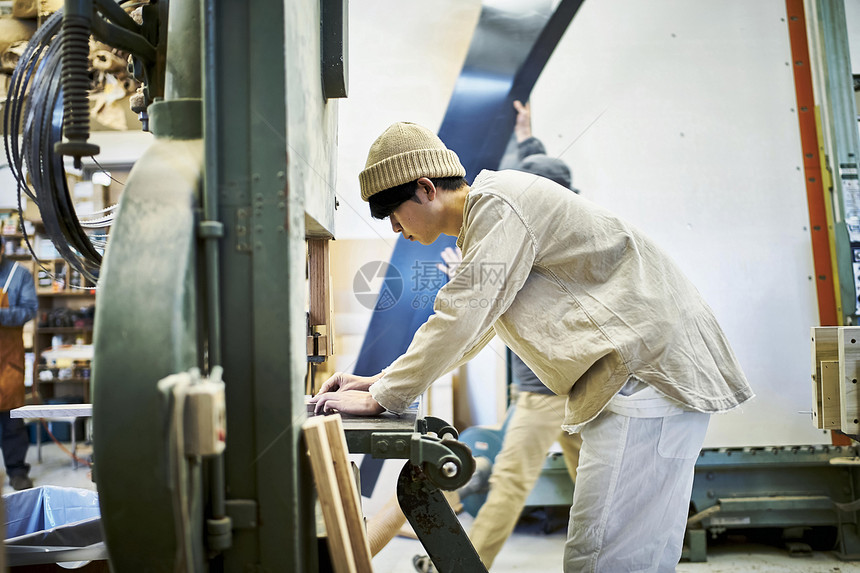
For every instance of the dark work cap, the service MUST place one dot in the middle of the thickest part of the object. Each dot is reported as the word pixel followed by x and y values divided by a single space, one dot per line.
pixel 549 167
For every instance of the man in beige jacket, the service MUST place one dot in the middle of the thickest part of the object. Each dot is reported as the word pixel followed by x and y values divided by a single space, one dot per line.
pixel 592 306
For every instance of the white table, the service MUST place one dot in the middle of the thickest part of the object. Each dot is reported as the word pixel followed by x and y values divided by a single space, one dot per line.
pixel 55 413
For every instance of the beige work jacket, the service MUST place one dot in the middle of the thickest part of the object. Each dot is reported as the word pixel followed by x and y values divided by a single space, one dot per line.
pixel 582 297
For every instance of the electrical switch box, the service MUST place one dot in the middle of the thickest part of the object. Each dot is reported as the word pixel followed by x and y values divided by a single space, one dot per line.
pixel 205 419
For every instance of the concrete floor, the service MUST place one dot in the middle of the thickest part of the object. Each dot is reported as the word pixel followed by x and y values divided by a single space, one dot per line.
pixel 528 549
pixel 56 468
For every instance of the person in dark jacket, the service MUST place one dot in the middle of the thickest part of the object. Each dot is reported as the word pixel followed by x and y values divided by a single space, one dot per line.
pixel 18 304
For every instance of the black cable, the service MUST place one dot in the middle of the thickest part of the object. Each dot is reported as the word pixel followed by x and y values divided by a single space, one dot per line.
pixel 35 103
pixel 33 123
pixel 106 172
pixel 47 171
pixel 12 118
pixel 18 85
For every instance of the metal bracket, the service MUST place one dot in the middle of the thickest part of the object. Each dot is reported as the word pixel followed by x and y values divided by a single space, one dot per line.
pixel 242 221
pixel 179 118
pixel 438 426
pixel 390 445
pixel 446 462
pixel 435 524
pixel 334 59
pixel 242 512
pixel 317 345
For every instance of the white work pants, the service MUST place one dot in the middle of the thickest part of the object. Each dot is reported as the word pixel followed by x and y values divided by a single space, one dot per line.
pixel 632 492
pixel 535 425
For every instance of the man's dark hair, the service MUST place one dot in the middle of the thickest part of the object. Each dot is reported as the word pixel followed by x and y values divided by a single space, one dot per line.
pixel 384 203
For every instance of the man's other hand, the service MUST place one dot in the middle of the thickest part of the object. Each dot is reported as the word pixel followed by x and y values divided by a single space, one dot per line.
pixel 523 125
pixel 357 402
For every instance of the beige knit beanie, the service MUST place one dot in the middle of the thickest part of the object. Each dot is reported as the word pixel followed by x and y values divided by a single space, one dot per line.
pixel 403 153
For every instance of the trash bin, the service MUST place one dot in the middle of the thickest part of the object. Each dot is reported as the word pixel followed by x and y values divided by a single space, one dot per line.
pixel 53 524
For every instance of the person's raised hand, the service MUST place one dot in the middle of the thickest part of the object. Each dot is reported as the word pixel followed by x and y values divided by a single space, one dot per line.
pixel 523 125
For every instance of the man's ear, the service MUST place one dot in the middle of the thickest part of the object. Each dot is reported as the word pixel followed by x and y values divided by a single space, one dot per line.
pixel 425 189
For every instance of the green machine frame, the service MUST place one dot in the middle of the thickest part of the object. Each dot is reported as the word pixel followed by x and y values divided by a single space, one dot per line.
pixel 793 489
pixel 207 268
pixel 206 273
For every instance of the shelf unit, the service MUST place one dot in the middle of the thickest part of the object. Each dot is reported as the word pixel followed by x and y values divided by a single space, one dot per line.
pixel 65 318
pixel 61 290
pixel 55 277
pixel 62 293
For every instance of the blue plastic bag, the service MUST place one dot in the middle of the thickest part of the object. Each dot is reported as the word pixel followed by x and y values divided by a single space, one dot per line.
pixel 53 524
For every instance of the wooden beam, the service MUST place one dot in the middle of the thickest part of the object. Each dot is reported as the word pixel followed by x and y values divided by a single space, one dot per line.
pixel 319 284
pixel 831 411
pixel 328 493
pixel 348 493
pixel 338 495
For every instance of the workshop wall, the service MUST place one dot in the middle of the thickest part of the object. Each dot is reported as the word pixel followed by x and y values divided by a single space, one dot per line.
pixel 695 140
pixel 678 116
pixel 404 59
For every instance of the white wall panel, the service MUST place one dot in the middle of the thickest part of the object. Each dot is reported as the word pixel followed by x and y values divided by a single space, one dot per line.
pixel 676 114
pixel 696 142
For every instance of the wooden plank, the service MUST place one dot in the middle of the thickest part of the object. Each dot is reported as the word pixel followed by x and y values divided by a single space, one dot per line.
pixel 348 493
pixel 319 285
pixel 849 377
pixel 328 492
pixel 825 347
pixel 831 411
